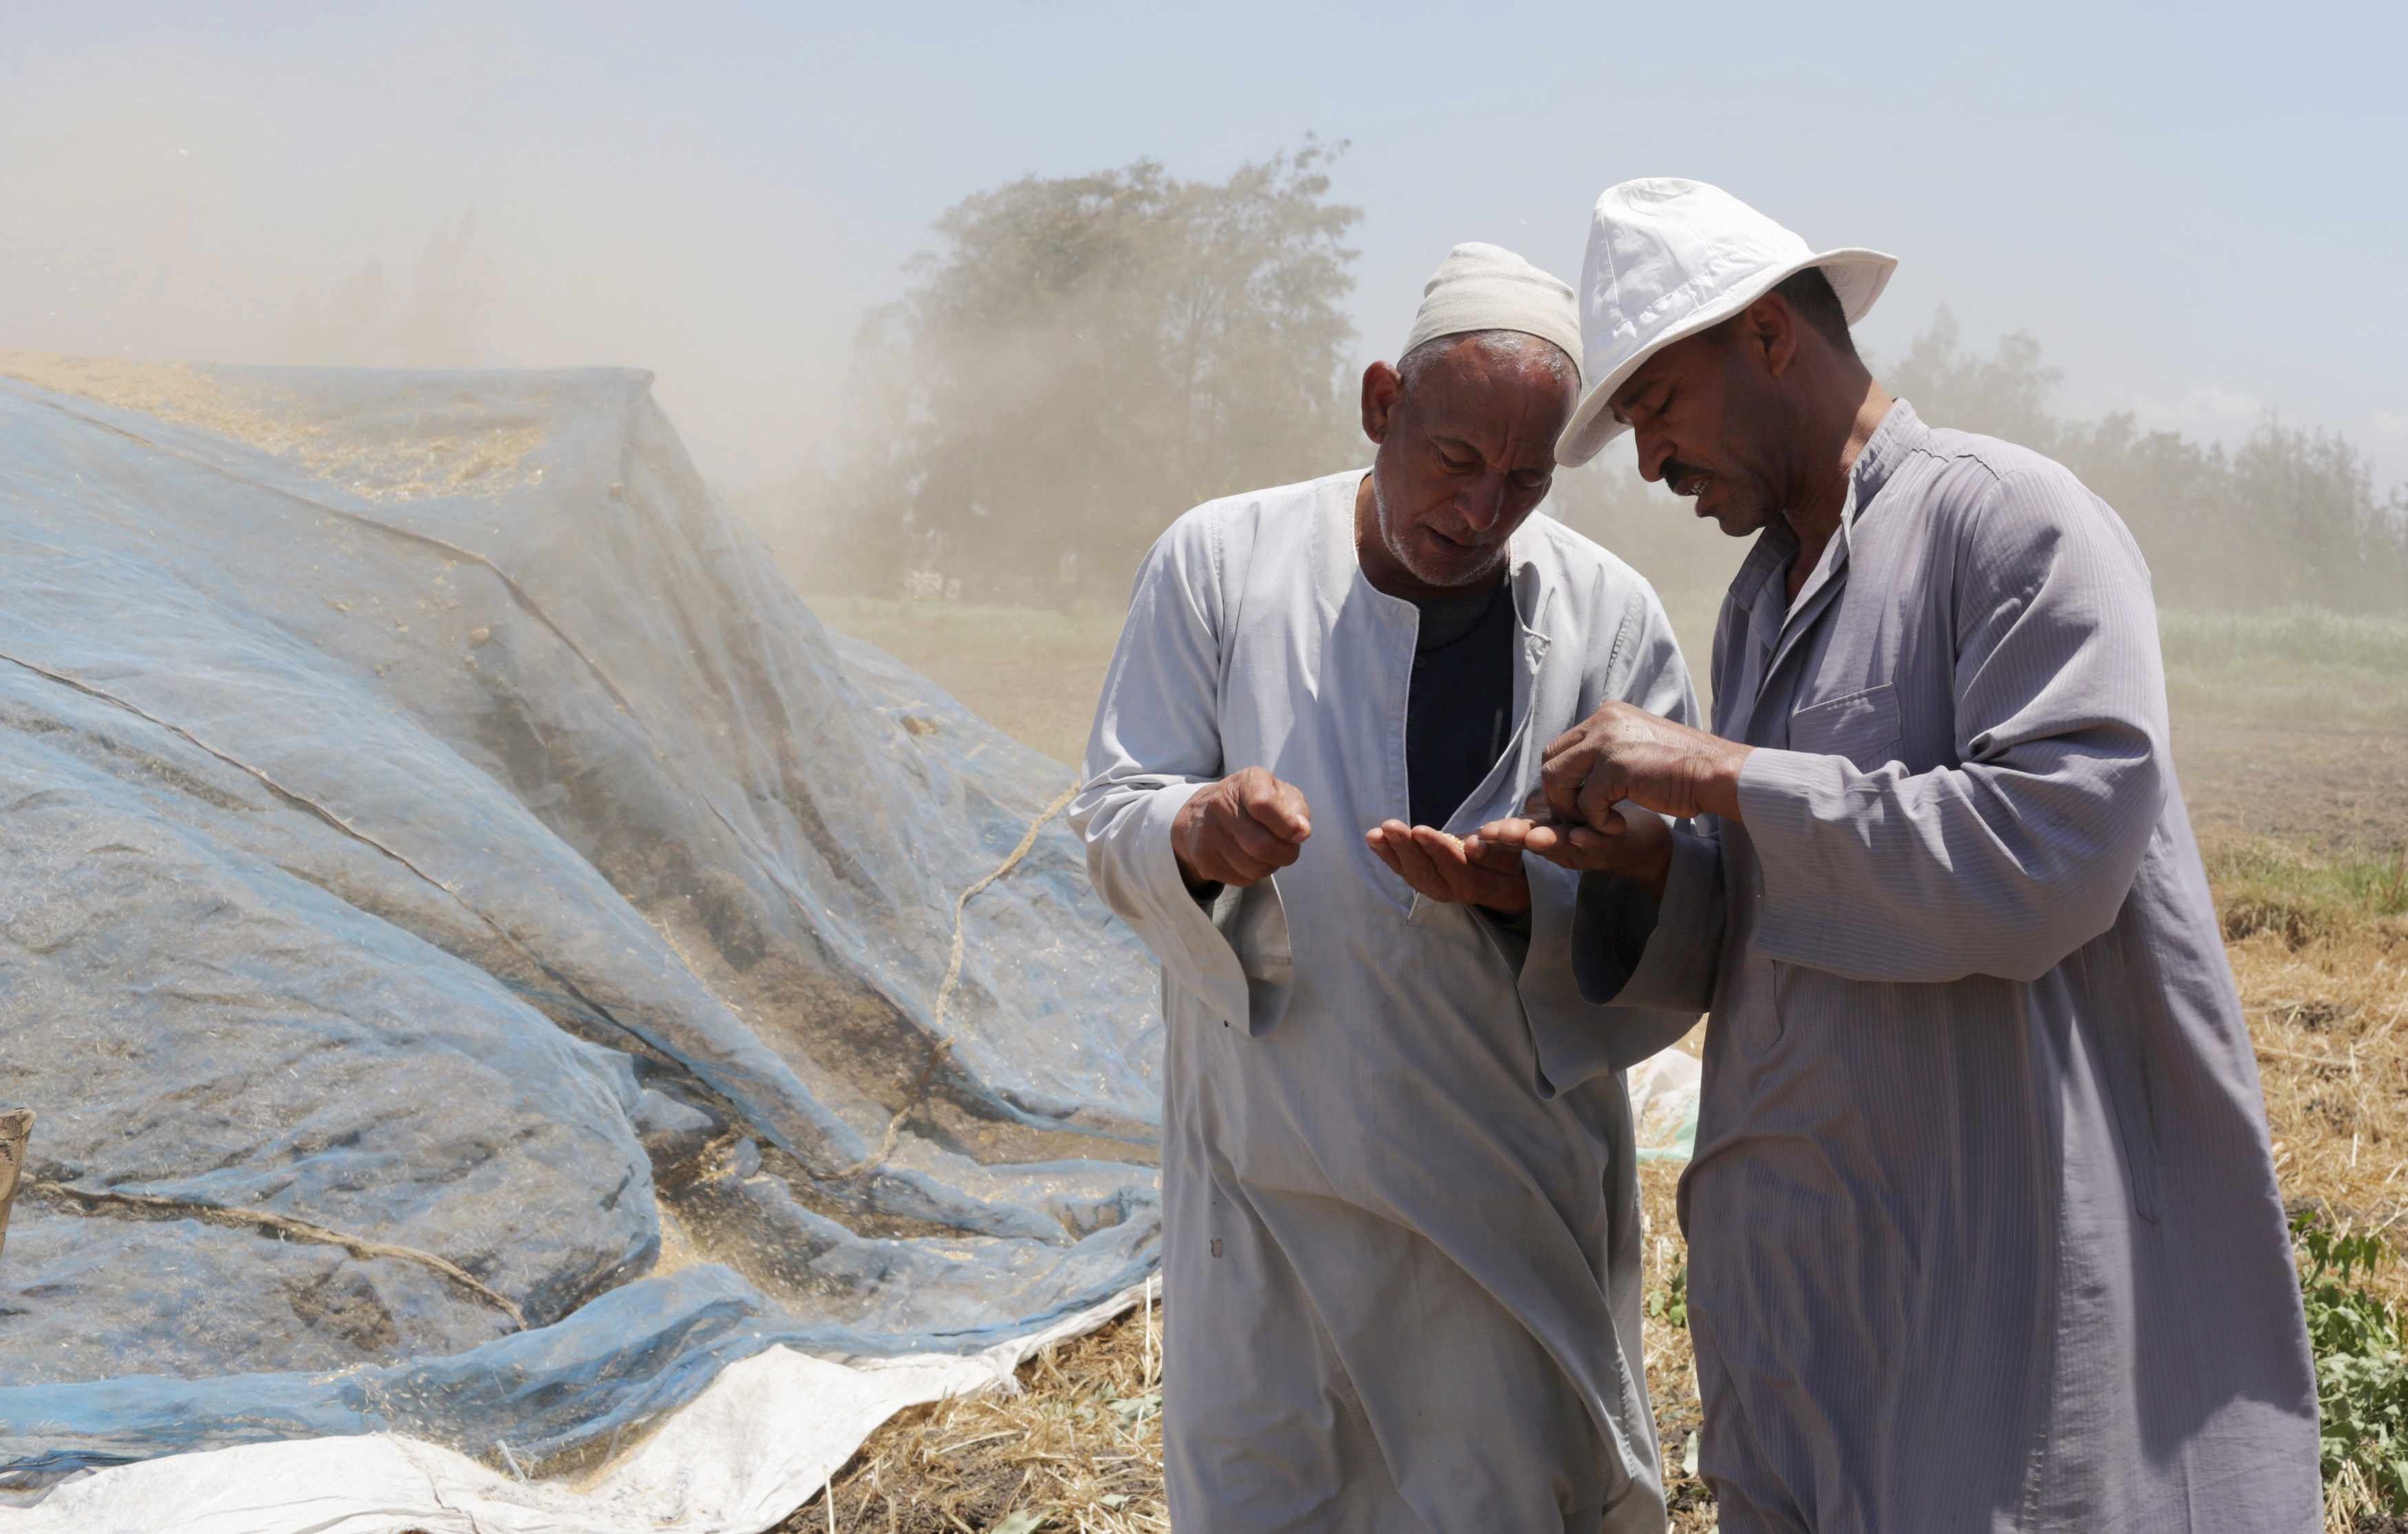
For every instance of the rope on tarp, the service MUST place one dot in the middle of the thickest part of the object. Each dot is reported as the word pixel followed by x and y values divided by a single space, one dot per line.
pixel 940 1044
pixel 155 1206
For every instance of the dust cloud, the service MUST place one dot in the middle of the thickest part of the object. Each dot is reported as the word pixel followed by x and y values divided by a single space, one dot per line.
pixel 195 201
pixel 467 197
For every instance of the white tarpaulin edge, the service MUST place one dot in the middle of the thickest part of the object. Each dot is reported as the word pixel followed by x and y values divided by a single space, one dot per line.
pixel 758 1443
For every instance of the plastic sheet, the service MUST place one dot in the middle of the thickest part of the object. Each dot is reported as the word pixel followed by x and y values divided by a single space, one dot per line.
pixel 769 1433
pixel 484 959
pixel 1664 1104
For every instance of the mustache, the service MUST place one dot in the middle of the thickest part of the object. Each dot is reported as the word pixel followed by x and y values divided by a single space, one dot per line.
pixel 1675 471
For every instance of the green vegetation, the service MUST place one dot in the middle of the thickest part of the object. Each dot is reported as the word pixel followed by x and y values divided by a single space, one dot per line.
pixel 1668 1302
pixel 2292 636
pixel 2288 663
pixel 1083 358
pixel 2361 1372
pixel 2265 886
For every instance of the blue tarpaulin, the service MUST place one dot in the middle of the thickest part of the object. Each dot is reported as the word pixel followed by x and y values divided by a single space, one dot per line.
pixel 482 956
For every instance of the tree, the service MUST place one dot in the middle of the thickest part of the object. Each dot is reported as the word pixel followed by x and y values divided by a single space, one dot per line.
pixel 2288 516
pixel 2006 393
pixel 1084 358
pixel 438 320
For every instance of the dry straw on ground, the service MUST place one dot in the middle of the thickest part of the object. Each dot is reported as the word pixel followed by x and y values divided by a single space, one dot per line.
pixel 1080 1447
pixel 2328 1012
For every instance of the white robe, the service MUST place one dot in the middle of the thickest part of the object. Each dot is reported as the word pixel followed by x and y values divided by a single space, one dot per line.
pixel 1401 1243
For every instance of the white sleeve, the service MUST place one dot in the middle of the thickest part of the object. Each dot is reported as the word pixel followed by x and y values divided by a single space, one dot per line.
pixel 1156 741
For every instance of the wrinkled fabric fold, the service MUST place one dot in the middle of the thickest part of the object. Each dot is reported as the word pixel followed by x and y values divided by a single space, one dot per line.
pixel 1625 949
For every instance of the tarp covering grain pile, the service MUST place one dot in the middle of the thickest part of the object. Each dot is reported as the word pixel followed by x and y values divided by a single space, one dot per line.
pixel 483 958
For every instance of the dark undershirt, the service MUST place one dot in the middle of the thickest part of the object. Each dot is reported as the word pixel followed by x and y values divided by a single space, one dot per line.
pixel 1460 703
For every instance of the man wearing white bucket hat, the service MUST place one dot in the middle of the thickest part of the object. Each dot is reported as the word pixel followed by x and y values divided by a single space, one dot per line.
pixel 1401 1244
pixel 1983 1222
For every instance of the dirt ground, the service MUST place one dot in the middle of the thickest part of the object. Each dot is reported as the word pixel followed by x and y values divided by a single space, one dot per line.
pixel 2326 788
pixel 1080 1447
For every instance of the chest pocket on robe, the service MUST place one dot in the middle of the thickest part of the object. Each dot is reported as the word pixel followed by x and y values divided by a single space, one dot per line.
pixel 1861 727
pixel 1255 922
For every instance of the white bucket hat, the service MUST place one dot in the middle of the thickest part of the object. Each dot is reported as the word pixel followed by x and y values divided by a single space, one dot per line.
pixel 1669 258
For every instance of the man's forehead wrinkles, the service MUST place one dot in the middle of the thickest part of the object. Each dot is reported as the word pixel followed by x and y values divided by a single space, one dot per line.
pixel 1490 412
pixel 1506 445
pixel 1479 430
pixel 1515 448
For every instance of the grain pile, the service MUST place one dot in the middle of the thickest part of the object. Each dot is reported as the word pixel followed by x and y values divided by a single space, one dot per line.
pixel 463 459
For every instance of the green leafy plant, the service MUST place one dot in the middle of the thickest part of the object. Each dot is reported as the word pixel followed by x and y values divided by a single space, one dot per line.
pixel 1669 1301
pixel 2362 1371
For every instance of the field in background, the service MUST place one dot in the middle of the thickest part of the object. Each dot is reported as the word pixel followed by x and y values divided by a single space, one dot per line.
pixel 2290 725
pixel 2291 663
pixel 1032 673
pixel 2291 739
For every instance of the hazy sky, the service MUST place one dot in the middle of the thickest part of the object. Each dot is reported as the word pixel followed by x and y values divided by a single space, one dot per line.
pixel 2199 209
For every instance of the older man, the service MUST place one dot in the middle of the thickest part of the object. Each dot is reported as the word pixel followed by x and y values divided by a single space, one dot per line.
pixel 1401 1238
pixel 1983 1225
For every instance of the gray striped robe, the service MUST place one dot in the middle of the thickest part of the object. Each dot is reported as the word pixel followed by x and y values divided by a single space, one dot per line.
pixel 1982 1221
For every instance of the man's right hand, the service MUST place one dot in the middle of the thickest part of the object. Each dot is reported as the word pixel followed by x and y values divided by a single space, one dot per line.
pixel 1634 844
pixel 1240 830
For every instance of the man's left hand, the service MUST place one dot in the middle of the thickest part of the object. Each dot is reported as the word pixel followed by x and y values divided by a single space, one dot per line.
pixel 1444 867
pixel 1624 752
